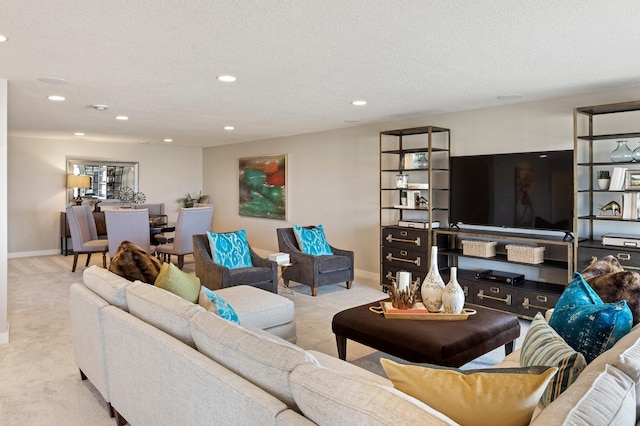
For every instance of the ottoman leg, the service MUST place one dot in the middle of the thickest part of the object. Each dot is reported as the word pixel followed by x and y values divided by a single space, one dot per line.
pixel 341 343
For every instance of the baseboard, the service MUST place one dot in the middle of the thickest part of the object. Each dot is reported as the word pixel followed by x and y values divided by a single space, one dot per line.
pixel 4 336
pixel 18 254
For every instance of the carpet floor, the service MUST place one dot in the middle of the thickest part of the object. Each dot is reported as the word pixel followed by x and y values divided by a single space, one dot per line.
pixel 40 384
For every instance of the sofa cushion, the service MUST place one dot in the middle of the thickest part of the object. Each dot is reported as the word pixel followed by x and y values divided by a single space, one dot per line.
pixel 172 279
pixel 328 397
pixel 543 346
pixel 606 397
pixel 481 397
pixel 312 240
pixel 259 357
pixel 586 323
pixel 133 263
pixel 162 309
pixel 109 286
pixel 219 306
pixel 230 249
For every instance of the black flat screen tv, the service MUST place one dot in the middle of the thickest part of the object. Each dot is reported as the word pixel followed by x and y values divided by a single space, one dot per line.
pixel 531 190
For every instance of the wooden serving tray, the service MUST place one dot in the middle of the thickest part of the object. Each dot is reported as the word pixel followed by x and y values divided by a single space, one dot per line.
pixel 419 312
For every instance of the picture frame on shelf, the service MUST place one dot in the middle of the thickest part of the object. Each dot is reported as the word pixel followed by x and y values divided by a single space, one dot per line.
pixel 632 180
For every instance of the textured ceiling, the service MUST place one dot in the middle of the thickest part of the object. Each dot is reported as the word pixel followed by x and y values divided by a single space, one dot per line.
pixel 299 63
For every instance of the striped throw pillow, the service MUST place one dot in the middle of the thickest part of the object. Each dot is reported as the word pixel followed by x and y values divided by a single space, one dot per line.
pixel 543 346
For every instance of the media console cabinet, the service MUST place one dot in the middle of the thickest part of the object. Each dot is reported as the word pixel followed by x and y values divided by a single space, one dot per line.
pixel 523 299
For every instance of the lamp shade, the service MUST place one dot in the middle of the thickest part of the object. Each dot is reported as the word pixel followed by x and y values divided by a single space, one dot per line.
pixel 78 181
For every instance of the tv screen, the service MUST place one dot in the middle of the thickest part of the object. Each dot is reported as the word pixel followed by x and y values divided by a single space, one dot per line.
pixel 521 190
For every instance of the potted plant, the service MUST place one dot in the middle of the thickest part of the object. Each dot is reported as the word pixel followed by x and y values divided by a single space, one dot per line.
pixel 189 200
pixel 604 179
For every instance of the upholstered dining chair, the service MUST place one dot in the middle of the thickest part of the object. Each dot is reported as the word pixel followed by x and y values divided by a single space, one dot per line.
pixel 195 220
pixel 263 274
pixel 312 270
pixel 128 225
pixel 84 235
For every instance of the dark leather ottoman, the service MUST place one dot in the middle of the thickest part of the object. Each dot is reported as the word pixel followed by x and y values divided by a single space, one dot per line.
pixel 447 343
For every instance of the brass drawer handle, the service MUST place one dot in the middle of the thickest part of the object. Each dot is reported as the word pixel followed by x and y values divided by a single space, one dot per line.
pixel 390 238
pixel 541 299
pixel 623 256
pixel 527 305
pixel 390 257
pixel 403 253
pixel 403 233
pixel 506 300
pixel 494 290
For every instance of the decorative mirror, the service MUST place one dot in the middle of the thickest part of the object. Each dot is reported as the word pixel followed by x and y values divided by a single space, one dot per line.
pixel 107 178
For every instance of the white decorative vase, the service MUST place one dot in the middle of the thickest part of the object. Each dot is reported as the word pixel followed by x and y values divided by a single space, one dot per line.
pixel 433 285
pixel 453 295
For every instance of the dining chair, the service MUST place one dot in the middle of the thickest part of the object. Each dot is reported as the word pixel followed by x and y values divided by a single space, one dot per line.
pixel 194 220
pixel 128 225
pixel 84 235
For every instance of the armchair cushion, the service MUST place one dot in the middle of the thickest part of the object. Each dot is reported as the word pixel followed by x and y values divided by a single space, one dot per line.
pixel 334 263
pixel 312 241
pixel 231 249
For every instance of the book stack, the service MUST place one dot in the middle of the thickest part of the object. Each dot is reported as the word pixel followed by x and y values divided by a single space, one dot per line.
pixel 617 179
pixel 630 206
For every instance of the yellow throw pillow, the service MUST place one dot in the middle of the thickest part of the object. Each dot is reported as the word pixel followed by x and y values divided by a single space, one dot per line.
pixel 172 279
pixel 479 398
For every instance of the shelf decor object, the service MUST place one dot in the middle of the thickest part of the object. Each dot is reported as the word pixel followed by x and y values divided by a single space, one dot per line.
pixel 433 285
pixel 525 254
pixel 478 248
pixel 453 294
pixel 622 153
pixel 420 161
pixel 636 154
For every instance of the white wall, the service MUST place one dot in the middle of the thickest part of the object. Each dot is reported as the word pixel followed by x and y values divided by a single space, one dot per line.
pixel 37 173
pixel 4 325
pixel 333 176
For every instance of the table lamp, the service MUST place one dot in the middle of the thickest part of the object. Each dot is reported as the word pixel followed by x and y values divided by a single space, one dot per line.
pixel 77 182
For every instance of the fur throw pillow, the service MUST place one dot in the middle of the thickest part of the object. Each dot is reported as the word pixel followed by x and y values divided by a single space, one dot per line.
pixel 607 277
pixel 133 263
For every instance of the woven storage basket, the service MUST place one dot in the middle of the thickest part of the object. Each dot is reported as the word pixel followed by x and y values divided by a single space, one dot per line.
pixel 525 254
pixel 479 248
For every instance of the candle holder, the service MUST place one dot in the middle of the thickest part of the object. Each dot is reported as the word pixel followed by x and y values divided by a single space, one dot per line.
pixel 405 298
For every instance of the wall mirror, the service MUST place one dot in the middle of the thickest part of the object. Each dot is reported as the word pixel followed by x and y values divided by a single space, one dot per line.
pixel 107 178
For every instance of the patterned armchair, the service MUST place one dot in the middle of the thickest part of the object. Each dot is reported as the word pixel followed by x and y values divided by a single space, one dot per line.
pixel 311 270
pixel 264 273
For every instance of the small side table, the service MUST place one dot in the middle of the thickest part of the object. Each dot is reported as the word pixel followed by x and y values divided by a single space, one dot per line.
pixel 283 267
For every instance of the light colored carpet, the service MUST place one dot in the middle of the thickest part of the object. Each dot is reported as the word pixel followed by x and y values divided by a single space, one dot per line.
pixel 40 383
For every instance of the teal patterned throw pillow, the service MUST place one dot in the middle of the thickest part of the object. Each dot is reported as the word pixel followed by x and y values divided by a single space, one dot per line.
pixel 312 241
pixel 224 309
pixel 586 323
pixel 230 250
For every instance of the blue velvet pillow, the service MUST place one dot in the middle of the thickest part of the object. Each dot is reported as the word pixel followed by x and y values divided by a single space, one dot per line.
pixel 230 250
pixel 586 323
pixel 224 309
pixel 312 241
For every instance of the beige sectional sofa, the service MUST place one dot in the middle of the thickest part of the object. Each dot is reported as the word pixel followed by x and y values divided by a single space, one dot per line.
pixel 161 360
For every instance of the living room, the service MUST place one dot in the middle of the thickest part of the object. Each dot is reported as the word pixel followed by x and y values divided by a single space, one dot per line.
pixel 332 174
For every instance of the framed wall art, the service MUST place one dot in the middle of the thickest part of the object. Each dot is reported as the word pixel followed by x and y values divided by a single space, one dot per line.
pixel 263 189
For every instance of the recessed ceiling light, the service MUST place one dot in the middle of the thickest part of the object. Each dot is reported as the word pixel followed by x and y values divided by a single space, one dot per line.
pixel 79 134
pixel 53 80
pixel 100 107
pixel 122 117
pixel 226 78
pixel 56 98
pixel 229 128
pixel 359 103
pixel 507 97
pixel 145 142
pixel 168 140
pixel 2 38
